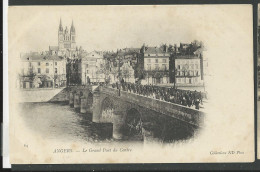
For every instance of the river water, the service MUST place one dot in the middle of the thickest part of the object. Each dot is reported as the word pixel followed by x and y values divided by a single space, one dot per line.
pixel 60 121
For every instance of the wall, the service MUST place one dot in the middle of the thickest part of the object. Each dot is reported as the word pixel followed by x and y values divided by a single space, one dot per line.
pixel 43 95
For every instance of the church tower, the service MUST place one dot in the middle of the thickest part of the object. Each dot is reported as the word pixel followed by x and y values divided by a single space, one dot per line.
pixel 73 36
pixel 60 37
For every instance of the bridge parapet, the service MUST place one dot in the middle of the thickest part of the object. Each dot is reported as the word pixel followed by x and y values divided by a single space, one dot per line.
pixel 191 116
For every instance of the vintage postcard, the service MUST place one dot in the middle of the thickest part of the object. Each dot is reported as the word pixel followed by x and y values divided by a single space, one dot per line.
pixel 131 84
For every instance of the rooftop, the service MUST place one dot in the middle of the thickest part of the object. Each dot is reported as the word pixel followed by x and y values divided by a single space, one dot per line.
pixel 53 48
pixel 187 57
pixel 35 56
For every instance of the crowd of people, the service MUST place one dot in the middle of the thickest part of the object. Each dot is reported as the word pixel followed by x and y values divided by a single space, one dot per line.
pixel 182 97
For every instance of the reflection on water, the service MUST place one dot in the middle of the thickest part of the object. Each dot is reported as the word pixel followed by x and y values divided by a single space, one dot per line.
pixel 59 121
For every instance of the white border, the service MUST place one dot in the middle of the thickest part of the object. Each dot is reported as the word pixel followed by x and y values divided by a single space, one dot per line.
pixel 5 126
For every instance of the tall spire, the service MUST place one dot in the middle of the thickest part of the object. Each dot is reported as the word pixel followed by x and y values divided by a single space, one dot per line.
pixel 60 26
pixel 72 28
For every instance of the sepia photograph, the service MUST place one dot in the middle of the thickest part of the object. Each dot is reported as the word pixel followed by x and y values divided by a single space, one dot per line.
pixel 131 84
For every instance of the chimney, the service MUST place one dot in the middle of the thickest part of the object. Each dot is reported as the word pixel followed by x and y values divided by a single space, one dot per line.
pixel 143 48
pixel 175 48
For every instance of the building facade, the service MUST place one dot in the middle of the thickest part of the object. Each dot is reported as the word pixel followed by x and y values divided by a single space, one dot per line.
pixel 127 72
pixel 92 67
pixel 156 65
pixel 41 70
pixel 188 70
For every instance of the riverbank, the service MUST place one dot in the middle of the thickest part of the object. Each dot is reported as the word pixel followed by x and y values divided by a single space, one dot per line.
pixel 44 95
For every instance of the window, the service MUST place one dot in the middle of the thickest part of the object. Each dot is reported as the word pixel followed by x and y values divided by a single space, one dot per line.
pixel 156 60
pixel 86 65
pixel 56 70
pixel 179 80
pixel 157 67
pixel 47 64
pixel 87 72
pixel 164 60
pixel 149 67
pixel 39 63
pixel 55 63
pixel 197 73
pixel 39 70
pixel 164 67
pixel 47 70
pixel 179 67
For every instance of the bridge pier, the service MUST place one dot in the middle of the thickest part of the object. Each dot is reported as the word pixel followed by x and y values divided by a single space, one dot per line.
pixel 83 104
pixel 71 99
pixel 96 108
pixel 76 102
pixel 118 123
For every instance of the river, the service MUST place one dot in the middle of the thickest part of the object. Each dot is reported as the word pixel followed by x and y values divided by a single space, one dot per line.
pixel 59 121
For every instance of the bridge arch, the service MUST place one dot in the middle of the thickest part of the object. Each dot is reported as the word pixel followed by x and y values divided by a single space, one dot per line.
pixel 133 123
pixel 107 109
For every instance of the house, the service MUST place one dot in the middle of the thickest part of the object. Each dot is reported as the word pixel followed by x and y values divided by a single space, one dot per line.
pixel 42 70
pixel 156 64
pixel 92 67
pixel 127 72
pixel 188 70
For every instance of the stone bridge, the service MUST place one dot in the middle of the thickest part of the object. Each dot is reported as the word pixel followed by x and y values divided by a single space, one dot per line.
pixel 137 113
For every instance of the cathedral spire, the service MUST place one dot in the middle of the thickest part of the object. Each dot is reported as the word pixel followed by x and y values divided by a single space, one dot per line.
pixel 60 26
pixel 72 28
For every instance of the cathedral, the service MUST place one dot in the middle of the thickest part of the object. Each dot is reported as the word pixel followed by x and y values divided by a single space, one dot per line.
pixel 66 42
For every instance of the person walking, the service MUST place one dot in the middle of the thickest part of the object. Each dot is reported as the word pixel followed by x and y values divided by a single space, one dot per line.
pixel 197 104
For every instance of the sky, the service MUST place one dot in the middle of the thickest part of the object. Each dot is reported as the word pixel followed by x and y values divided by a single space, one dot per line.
pixel 104 27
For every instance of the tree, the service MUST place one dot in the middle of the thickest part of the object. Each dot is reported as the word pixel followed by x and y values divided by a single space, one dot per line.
pixel 185 69
pixel 170 49
pixel 36 82
pixel 114 72
pixel 126 71
pixel 194 46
